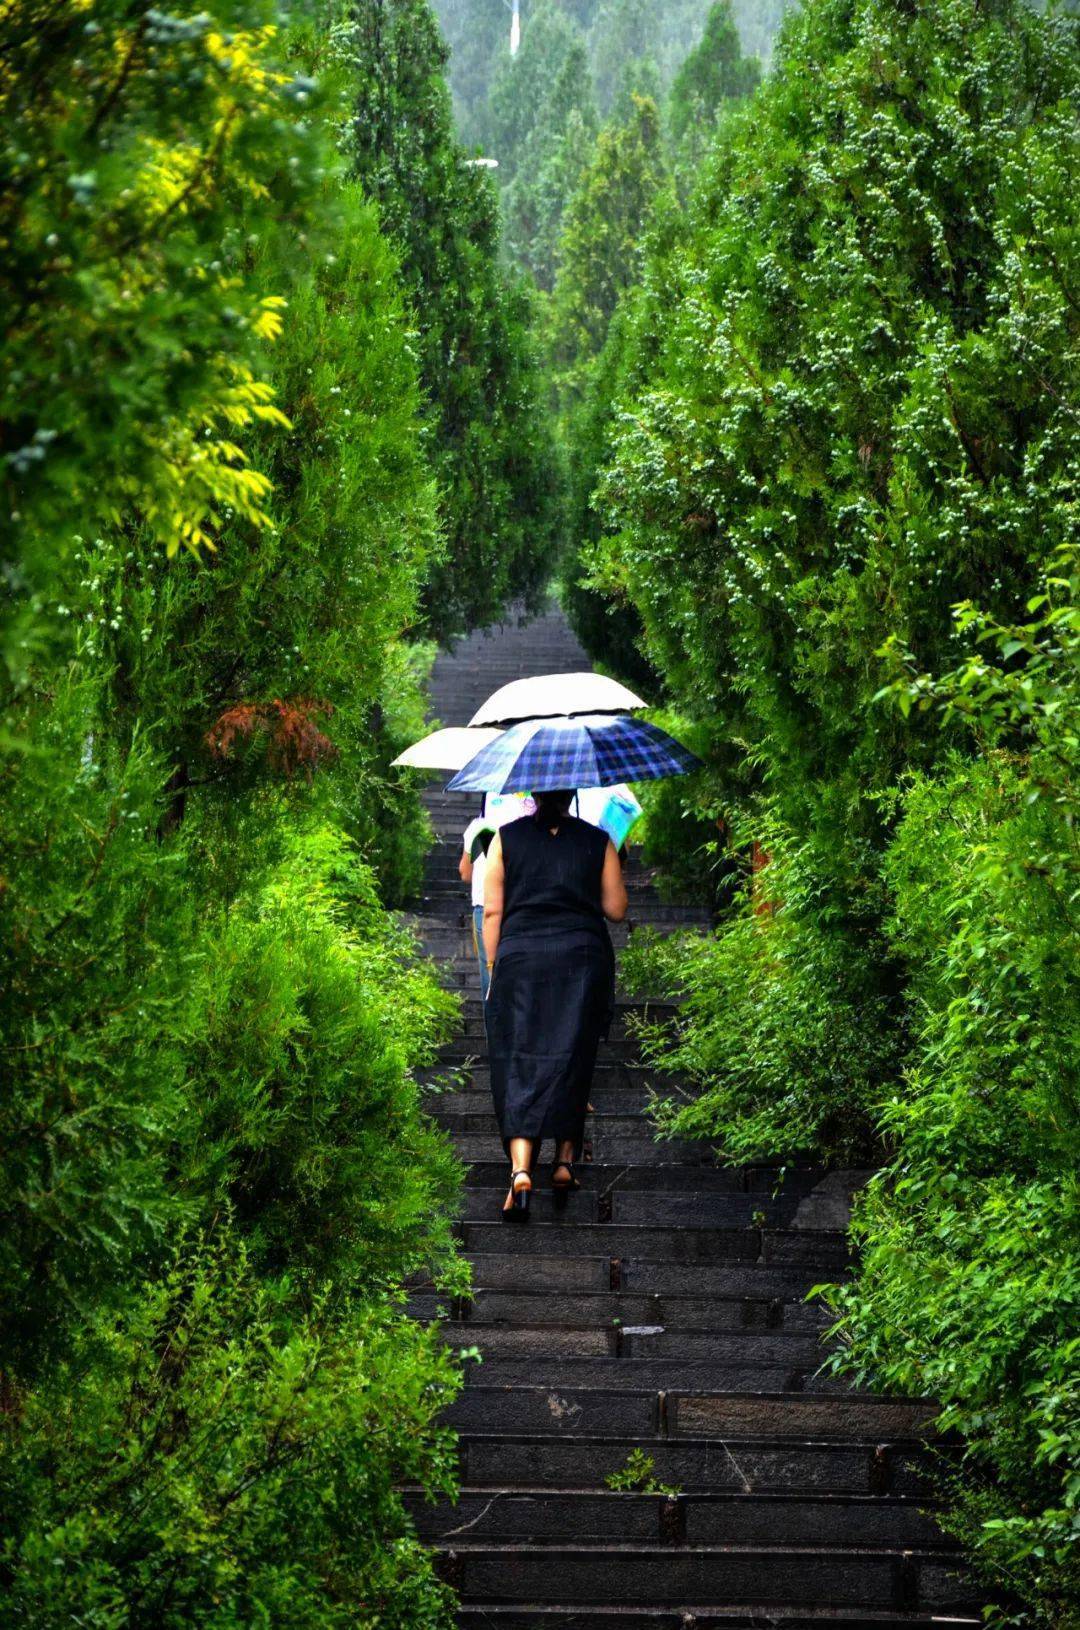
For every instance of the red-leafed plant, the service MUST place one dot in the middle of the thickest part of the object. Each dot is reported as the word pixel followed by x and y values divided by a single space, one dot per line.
pixel 292 738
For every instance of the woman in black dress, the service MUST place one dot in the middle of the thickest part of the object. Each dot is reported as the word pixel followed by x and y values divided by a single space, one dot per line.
pixel 551 883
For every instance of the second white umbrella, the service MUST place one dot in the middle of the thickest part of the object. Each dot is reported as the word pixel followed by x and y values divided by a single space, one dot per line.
pixel 445 749
pixel 555 696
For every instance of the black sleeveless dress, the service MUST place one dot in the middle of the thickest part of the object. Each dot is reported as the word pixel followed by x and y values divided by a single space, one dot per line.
pixel 553 987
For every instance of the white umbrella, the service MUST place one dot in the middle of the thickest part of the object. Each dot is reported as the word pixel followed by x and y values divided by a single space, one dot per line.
pixel 445 749
pixel 555 696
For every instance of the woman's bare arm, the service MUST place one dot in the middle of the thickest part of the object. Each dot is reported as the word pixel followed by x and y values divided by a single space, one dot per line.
pixel 494 879
pixel 612 888
pixel 465 866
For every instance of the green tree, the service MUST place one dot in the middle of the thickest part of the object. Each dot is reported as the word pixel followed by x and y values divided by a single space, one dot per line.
pixel 600 256
pixel 523 103
pixel 554 158
pixel 600 251
pixel 492 448
pixel 849 409
pixel 715 72
pixel 218 1168
pixel 477 34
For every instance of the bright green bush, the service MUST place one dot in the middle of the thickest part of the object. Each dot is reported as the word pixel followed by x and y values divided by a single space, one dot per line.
pixel 781 1042
pixel 969 1288
pixel 969 1284
pixel 306 1022
pixel 217 1456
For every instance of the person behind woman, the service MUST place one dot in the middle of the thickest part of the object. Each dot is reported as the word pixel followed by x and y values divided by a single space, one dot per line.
pixel 495 811
pixel 551 881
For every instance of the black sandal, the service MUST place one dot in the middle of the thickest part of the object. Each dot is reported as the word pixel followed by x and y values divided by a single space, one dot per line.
pixel 518 1211
pixel 563 1189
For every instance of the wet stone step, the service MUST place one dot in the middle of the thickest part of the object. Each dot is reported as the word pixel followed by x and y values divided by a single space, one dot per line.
pixel 474 1122
pixel 768 1374
pixel 797 1576
pixel 606 1099
pixel 609 1073
pixel 666 1415
pixel 520 1460
pixel 780 1349
pixel 707 1179
pixel 589 1310
pixel 757 1281
pixel 496 1341
pixel 825 1249
pixel 636 1147
pixel 762 1616
pixel 723 1210
pixel 695 1519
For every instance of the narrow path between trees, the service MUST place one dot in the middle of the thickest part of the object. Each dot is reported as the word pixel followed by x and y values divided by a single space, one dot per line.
pixel 663 1315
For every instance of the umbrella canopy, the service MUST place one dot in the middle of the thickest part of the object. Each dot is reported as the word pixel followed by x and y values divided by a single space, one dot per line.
pixel 555 696
pixel 543 754
pixel 446 749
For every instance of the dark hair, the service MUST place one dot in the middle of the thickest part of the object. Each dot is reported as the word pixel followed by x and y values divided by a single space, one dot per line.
pixel 552 808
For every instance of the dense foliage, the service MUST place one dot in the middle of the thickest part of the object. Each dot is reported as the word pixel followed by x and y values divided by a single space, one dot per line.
pixel 624 197
pixel 218 1173
pixel 615 33
pixel 849 404
pixel 493 450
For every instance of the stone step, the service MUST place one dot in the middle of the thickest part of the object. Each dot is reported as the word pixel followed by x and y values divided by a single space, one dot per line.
pixel 790 1466
pixel 472 1122
pixel 610 1073
pixel 824 1248
pixel 697 1519
pixel 608 1100
pixel 770 1372
pixel 796 1576
pixel 629 1012
pixel 468 1048
pixel 762 1616
pixel 680 1345
pixel 509 1270
pixel 710 1179
pixel 618 1146
pixel 635 1206
pixel 591 1310
pixel 566 1411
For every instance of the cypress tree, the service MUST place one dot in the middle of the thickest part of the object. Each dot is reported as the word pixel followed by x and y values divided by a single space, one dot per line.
pixel 715 72
pixel 491 446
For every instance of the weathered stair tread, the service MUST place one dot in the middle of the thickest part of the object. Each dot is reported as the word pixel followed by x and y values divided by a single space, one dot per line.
pixel 842 1576
pixel 518 1616
pixel 820 1417
pixel 702 1518
pixel 539 1310
pixel 659 1243
pixel 738 1373
pixel 664 1176
pixel 645 1206
pixel 590 1341
pixel 499 1270
pixel 543 1461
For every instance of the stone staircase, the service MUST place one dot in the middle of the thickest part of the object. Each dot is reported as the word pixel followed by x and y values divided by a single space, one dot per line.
pixel 663 1312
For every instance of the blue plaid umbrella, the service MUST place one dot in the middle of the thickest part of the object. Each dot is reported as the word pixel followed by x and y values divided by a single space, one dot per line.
pixel 599 751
